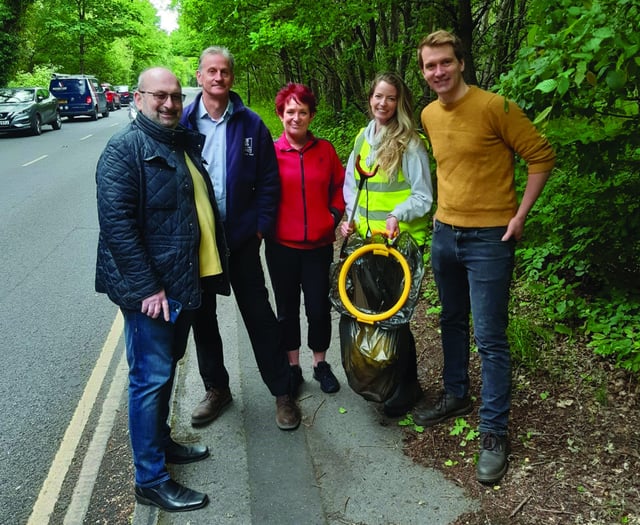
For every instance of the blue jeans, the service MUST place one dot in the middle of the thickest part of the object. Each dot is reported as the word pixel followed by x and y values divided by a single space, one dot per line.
pixel 472 268
pixel 153 349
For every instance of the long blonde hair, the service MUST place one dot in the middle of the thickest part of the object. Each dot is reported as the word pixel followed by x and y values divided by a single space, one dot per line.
pixel 398 132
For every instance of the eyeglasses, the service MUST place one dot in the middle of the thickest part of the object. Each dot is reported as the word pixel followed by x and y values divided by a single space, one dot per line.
pixel 160 97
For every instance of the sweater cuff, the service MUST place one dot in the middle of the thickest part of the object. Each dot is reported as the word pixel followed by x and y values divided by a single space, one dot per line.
pixel 337 216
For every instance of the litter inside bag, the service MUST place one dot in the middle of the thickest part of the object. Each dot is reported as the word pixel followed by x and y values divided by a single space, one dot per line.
pixel 370 352
pixel 375 282
pixel 369 356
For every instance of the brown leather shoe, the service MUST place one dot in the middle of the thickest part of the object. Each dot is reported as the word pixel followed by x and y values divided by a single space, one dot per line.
pixel 288 414
pixel 211 406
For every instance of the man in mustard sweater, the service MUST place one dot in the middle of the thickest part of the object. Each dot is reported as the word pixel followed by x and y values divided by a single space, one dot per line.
pixel 475 136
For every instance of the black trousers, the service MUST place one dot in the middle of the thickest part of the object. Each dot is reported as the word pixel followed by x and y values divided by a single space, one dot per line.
pixel 248 284
pixel 294 271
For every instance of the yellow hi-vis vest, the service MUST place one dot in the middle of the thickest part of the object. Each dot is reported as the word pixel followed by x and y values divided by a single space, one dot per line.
pixel 379 197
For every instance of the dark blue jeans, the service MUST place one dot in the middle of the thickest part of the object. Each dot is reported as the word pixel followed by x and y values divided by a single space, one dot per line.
pixel 153 349
pixel 472 268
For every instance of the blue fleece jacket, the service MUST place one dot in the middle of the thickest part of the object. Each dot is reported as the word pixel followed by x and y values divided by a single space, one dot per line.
pixel 253 184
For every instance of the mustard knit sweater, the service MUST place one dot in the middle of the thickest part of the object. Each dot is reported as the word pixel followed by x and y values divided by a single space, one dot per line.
pixel 474 140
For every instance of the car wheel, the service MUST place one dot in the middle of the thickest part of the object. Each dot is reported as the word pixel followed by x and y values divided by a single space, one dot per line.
pixel 106 113
pixel 36 125
pixel 57 123
pixel 94 114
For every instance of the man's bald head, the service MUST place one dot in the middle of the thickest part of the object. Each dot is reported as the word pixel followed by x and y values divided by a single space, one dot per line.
pixel 159 96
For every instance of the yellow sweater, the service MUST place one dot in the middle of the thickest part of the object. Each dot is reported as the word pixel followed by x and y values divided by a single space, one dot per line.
pixel 473 141
pixel 209 257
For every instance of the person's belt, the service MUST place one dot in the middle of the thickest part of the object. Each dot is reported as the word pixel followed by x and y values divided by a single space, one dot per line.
pixel 460 228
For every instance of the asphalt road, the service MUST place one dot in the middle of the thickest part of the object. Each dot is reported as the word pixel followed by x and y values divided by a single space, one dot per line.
pixel 52 324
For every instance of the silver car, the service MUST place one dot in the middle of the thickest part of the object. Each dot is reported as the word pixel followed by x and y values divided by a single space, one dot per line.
pixel 27 109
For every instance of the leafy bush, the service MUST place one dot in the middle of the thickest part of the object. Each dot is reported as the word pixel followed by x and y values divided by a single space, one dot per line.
pixel 39 77
pixel 341 129
pixel 579 72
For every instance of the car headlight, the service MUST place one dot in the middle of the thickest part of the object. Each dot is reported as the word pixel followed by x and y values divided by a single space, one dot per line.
pixel 20 116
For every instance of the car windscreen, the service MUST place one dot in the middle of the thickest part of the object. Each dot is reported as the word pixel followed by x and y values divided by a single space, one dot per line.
pixel 61 86
pixel 14 96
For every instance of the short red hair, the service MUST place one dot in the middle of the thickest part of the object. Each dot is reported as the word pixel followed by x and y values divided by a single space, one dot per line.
pixel 298 92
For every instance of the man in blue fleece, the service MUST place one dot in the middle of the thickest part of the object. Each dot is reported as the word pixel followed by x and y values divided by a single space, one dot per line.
pixel 241 161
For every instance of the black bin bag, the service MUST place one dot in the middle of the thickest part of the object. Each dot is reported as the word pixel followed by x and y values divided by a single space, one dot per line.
pixel 370 352
pixel 369 356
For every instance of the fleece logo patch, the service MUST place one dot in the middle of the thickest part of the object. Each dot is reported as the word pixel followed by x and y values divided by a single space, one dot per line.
pixel 247 148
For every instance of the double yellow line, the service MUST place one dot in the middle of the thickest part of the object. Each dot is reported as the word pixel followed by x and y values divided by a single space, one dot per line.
pixel 52 485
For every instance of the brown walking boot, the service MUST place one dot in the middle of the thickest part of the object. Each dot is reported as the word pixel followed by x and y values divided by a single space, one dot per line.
pixel 211 406
pixel 288 414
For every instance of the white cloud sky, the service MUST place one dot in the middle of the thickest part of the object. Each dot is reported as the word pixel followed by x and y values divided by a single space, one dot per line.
pixel 168 18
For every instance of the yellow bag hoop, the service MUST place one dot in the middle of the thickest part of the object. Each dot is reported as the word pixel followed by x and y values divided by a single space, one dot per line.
pixel 385 251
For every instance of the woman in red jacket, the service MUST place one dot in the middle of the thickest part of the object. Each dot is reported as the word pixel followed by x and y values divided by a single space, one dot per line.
pixel 301 250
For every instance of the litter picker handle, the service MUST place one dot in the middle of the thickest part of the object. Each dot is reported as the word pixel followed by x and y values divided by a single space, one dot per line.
pixel 364 175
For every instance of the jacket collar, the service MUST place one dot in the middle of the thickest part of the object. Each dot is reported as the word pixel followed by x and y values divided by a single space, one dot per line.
pixel 190 115
pixel 173 137
pixel 283 144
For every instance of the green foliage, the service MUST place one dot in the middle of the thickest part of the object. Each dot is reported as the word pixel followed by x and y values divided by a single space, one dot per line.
pixel 334 47
pixel 340 129
pixel 528 338
pixel 613 326
pixel 462 428
pixel 12 19
pixel 579 72
pixel 409 422
pixel 268 114
pixel 114 40
pixel 39 77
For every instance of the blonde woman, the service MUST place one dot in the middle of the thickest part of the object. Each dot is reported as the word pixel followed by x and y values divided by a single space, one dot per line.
pixel 396 199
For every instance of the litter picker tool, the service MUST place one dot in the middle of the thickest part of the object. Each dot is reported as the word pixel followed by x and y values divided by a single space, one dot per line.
pixel 364 176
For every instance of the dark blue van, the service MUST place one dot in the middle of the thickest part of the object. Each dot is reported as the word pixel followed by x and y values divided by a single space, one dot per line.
pixel 79 95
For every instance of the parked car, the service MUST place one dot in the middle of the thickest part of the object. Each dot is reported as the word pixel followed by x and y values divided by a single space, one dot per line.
pixel 28 109
pixel 113 97
pixel 133 111
pixel 79 95
pixel 125 95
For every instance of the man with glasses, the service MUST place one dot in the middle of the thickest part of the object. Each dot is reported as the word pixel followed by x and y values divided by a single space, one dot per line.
pixel 160 243
pixel 242 164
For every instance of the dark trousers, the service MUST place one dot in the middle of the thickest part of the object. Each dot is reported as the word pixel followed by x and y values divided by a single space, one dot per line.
pixel 407 363
pixel 472 268
pixel 294 271
pixel 247 280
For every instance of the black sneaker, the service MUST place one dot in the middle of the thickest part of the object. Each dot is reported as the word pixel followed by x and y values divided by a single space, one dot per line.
pixel 296 380
pixel 446 407
pixel 492 461
pixel 328 382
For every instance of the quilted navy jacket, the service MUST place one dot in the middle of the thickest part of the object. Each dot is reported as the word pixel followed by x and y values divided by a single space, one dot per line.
pixel 149 233
pixel 253 183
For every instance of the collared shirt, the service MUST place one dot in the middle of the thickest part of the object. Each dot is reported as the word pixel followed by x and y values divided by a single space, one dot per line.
pixel 214 152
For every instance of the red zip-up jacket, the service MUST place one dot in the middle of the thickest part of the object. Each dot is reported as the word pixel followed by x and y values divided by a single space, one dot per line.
pixel 311 202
